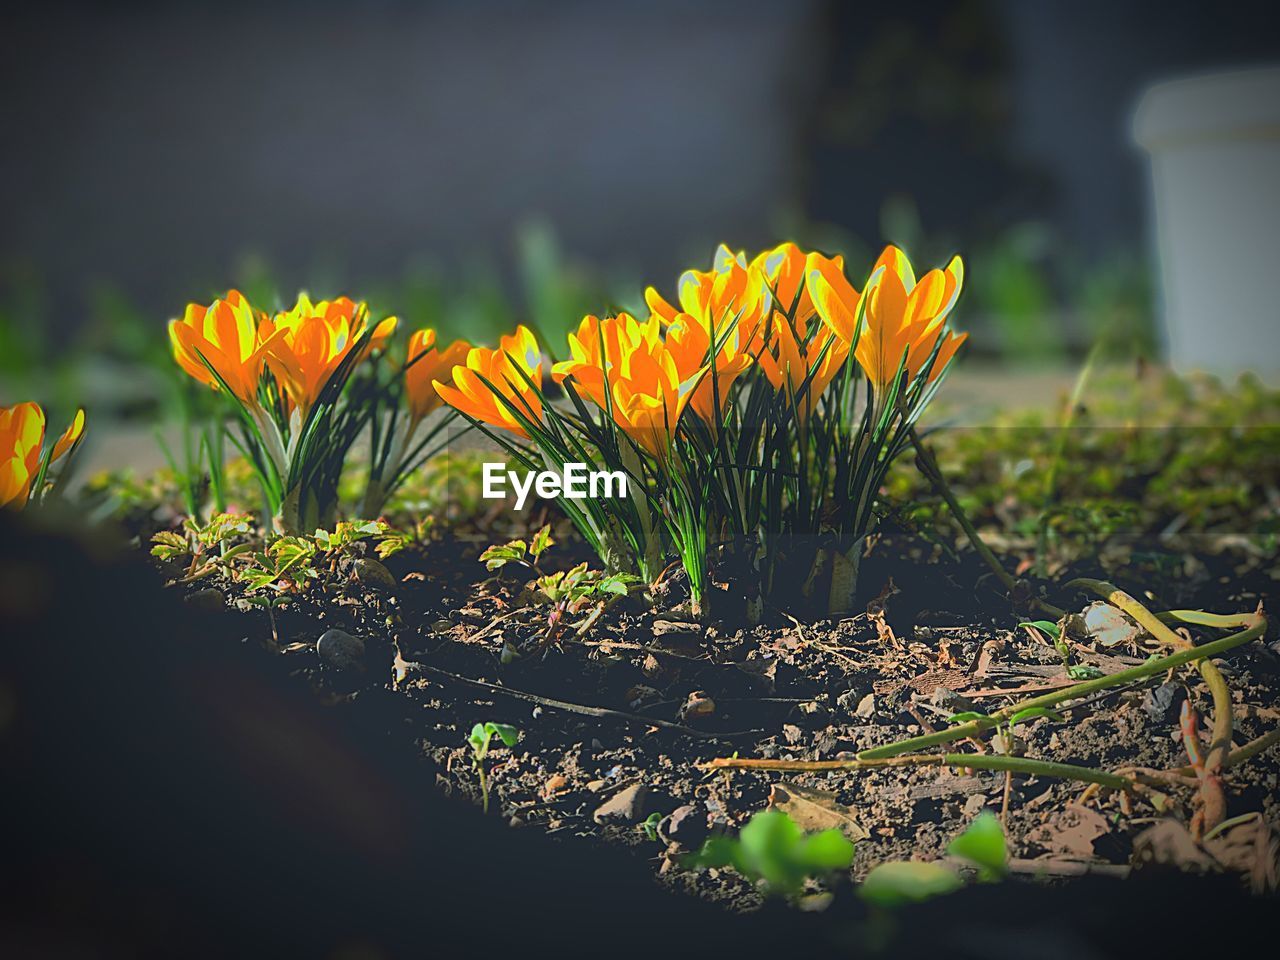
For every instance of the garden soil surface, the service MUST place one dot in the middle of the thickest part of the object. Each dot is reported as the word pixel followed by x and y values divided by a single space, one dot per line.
pixel 617 721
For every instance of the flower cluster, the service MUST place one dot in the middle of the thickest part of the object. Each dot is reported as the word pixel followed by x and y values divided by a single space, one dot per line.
pixel 733 410
pixel 25 460
pixel 754 414
pixel 303 385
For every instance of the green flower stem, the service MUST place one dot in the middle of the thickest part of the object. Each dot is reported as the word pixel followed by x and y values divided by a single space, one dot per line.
pixel 1142 672
pixel 1041 768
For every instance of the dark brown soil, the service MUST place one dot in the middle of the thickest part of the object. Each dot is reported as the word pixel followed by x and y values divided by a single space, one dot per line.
pixel 180 779
pixel 939 640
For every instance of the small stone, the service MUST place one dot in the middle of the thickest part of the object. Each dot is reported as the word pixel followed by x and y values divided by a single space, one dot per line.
pixel 208 600
pixel 848 701
pixel 1158 702
pixel 625 806
pixel 813 708
pixel 950 700
pixel 341 650
pixel 595 786
pixel 687 825
pixel 1008 746
pixel 1109 626
pixel 792 734
pixel 866 707
pixel 372 573
pixel 650 668
pixel 698 705
pixel 974 806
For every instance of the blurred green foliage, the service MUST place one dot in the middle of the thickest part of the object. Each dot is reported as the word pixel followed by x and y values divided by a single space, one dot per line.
pixel 1187 464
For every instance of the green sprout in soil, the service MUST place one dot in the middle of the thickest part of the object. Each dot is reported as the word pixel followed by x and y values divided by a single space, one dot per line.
pixel 566 592
pixel 650 827
pixel 981 848
pixel 480 738
pixel 773 851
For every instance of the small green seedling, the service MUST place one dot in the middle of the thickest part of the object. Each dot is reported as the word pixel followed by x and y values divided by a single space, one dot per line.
pixel 566 592
pixel 518 552
pixel 981 846
pixel 650 826
pixel 286 563
pixel 1078 671
pixel 1055 633
pixel 908 881
pixel 481 736
pixel 772 849
pixel 210 545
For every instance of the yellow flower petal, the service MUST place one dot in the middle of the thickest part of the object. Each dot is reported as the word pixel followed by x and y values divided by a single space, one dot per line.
pixel 70 437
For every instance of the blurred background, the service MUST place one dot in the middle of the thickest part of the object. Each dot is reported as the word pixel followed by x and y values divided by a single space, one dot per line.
pixel 469 165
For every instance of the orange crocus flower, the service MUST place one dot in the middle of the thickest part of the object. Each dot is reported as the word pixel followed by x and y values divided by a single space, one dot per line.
pixel 425 364
pixel 307 344
pixel 599 349
pixel 647 390
pixel 22 429
pixel 794 356
pixel 229 335
pixel 903 318
pixel 689 344
pixel 505 369
pixel 731 298
pixel 786 269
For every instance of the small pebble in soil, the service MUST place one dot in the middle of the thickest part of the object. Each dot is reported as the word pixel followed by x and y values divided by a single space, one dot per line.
pixel 1158 702
pixel 866 707
pixel 625 806
pixel 950 700
pixel 697 706
pixel 687 825
pixel 373 573
pixel 341 650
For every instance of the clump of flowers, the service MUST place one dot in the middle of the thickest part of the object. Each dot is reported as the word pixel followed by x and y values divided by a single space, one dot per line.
pixel 26 460
pixel 750 441
pixel 290 378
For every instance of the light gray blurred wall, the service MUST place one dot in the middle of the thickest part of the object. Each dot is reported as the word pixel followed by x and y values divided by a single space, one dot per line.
pixel 152 143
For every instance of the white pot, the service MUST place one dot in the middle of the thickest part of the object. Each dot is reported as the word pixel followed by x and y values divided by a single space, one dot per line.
pixel 1214 143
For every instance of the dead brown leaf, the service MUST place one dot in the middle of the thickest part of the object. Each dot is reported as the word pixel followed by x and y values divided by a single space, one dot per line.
pixel 1071 832
pixel 815 810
